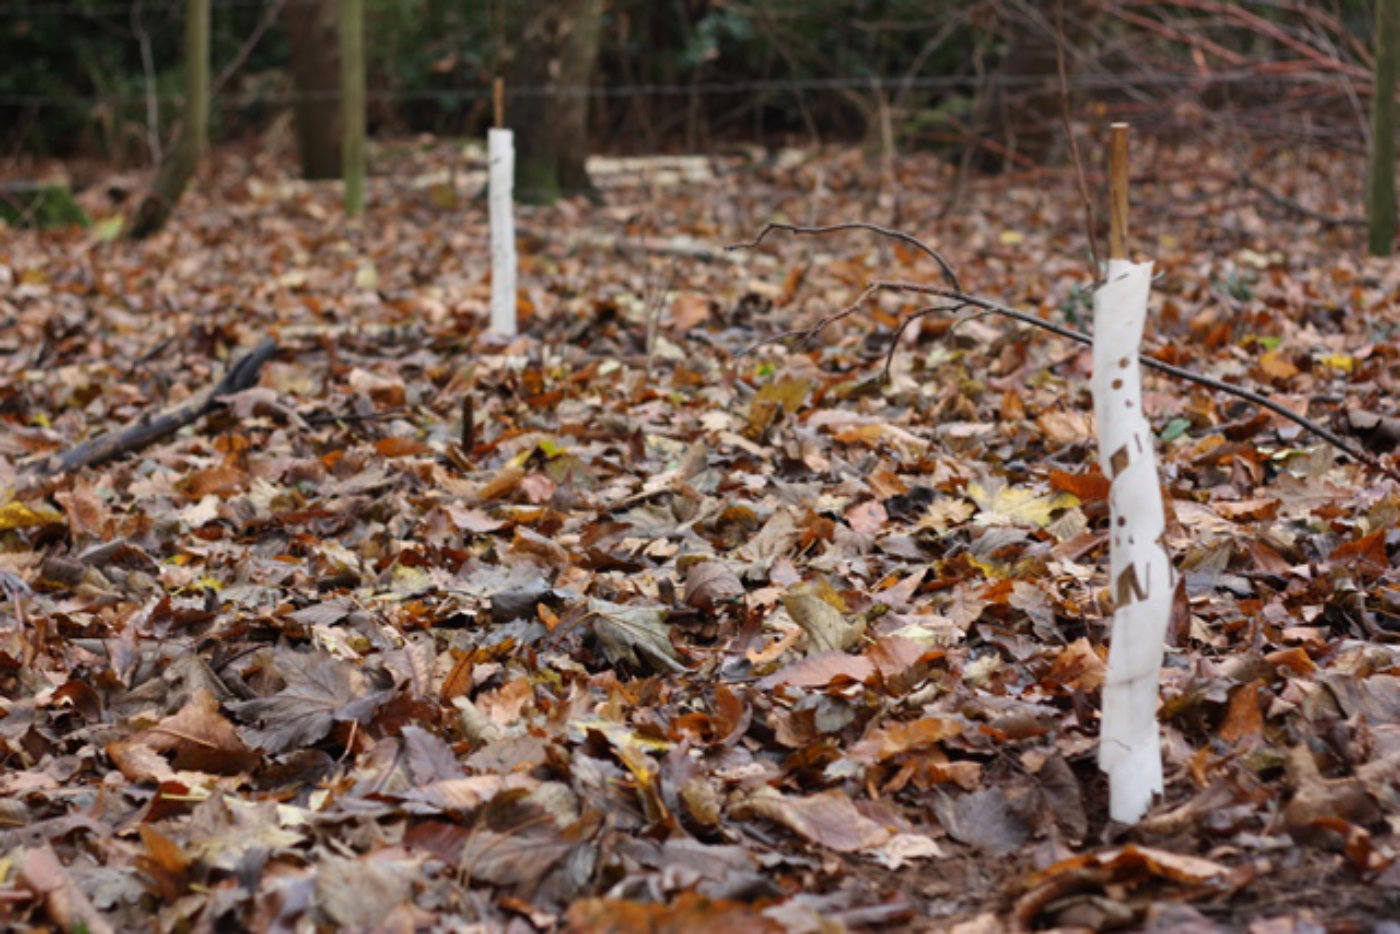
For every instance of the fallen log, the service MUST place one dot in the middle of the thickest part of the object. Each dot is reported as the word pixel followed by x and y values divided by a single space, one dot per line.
pixel 242 374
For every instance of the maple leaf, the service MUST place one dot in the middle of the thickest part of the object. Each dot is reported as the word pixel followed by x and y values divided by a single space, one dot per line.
pixel 320 690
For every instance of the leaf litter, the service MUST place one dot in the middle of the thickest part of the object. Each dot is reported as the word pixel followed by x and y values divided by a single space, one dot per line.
pixel 665 634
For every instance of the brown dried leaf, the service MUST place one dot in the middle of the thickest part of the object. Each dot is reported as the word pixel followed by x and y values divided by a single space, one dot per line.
pixel 897 738
pixel 319 691
pixel 632 634
pixel 1077 667
pixel 826 629
pixel 40 871
pixel 829 819
pixel 709 583
pixel 200 737
pixel 820 670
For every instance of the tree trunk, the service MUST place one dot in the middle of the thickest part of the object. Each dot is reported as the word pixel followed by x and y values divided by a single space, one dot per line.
pixel 557 49
pixel 1380 175
pixel 313 38
pixel 352 93
pixel 154 209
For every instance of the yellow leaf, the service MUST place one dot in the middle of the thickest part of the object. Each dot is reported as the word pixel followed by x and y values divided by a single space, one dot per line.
pixel 1339 361
pixel 367 277
pixel 1006 505
pixel 109 228
pixel 550 448
pixel 1251 258
pixel 1277 366
pixel 787 395
pixel 1011 237
pixel 944 513
pixel 408 579
pixel 992 570
pixel 17 515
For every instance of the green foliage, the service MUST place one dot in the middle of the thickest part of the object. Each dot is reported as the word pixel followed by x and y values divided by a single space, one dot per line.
pixel 77 81
pixel 74 77
pixel 84 85
pixel 39 206
pixel 424 52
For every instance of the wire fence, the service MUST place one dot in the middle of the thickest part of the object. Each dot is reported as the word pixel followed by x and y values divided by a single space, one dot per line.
pixel 21 11
pixel 1300 87
pixel 1303 85
pixel 1159 80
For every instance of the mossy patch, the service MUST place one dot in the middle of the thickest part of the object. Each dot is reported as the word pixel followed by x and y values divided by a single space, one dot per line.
pixel 26 204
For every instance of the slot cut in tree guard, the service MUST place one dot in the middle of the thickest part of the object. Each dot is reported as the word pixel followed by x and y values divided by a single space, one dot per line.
pixel 1142 580
pixel 500 150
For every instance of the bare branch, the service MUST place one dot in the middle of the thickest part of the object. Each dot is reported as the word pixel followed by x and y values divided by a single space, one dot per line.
pixel 241 56
pixel 805 335
pixel 915 316
pixel 1355 453
pixel 1074 141
pixel 960 299
pixel 901 236
pixel 148 67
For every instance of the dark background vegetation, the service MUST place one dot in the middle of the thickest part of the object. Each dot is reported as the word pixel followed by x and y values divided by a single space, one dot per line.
pixel 87 77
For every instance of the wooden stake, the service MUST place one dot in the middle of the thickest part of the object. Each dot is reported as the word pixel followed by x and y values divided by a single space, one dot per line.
pixel 1118 191
pixel 498 101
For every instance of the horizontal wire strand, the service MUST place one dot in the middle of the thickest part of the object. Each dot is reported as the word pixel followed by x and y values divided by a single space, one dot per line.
pixel 716 88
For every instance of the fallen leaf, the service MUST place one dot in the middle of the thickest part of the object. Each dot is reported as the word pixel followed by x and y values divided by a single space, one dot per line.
pixel 829 819
pixel 320 690
pixel 636 635
pixel 708 583
pixel 201 739
pixel 824 625
pixel 820 670
pixel 1000 504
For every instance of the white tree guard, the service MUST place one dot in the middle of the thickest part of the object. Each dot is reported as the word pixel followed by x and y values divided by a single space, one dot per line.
pixel 500 147
pixel 1142 580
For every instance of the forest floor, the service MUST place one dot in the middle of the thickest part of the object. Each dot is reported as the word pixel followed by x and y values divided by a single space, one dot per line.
pixel 667 636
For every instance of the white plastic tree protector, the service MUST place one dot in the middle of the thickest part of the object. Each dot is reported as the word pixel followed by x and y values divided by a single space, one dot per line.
pixel 500 150
pixel 1141 578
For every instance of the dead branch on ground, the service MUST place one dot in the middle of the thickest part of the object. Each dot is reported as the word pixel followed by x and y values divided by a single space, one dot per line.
pixel 242 374
pixel 1296 207
pixel 954 299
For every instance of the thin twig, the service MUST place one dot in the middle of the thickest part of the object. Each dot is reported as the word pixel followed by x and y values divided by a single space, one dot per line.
pixel 656 307
pixel 1249 395
pixel 807 334
pixel 915 316
pixel 148 67
pixel 241 56
pixel 901 236
pixel 335 418
pixel 955 293
pixel 1074 141
pixel 1296 207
